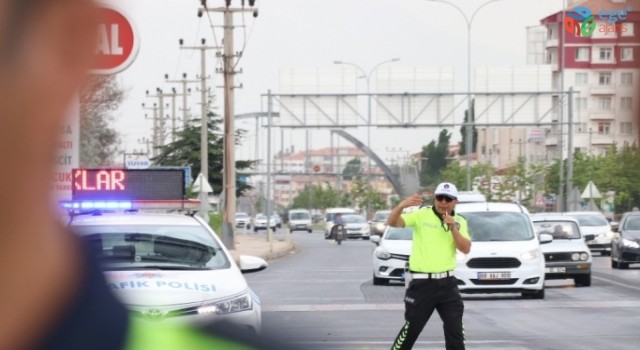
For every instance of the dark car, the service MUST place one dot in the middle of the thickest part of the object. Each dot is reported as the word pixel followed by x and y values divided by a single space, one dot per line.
pixel 625 244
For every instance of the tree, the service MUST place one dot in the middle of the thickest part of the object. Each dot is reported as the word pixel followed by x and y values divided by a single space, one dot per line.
pixel 99 142
pixel 352 169
pixel 474 131
pixel 320 196
pixel 185 151
pixel 433 159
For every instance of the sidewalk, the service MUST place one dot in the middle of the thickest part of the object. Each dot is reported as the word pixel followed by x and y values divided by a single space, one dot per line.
pixel 257 245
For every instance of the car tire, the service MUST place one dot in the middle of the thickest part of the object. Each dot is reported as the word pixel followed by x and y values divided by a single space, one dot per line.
pixel 380 281
pixel 326 235
pixel 614 264
pixel 582 281
pixel 255 229
pixel 538 294
pixel 309 230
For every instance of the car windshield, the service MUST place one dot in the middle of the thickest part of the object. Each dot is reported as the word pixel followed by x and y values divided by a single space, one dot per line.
pixel 261 217
pixel 381 216
pixel 488 226
pixel 632 223
pixel 241 215
pixel 558 229
pixel 353 219
pixel 127 247
pixel 299 216
pixel 399 234
pixel 591 220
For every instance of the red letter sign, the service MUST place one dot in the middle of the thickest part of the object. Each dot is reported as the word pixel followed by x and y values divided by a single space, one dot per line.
pixel 117 44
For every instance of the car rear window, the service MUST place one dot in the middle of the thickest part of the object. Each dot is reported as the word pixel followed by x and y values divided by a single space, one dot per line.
pixel 591 220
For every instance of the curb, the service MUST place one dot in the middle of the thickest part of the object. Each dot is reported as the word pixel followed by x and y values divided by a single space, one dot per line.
pixel 292 248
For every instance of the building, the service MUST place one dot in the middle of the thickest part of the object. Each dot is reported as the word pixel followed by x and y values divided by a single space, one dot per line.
pixel 599 58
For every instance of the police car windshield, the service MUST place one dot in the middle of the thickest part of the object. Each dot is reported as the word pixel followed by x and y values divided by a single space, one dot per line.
pixel 499 226
pixel 124 247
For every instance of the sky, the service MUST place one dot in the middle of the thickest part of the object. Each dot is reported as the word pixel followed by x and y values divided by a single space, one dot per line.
pixel 314 34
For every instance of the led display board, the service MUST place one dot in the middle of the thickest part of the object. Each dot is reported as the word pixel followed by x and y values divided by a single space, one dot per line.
pixel 128 184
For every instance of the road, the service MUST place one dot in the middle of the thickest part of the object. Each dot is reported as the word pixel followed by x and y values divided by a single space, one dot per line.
pixel 323 297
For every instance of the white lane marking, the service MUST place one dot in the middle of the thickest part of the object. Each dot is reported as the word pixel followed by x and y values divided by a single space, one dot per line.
pixel 468 306
pixel 616 283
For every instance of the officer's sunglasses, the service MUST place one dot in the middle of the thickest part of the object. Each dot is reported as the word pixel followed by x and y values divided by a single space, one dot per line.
pixel 441 198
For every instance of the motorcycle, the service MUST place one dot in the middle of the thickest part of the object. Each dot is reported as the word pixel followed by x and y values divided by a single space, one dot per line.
pixel 339 232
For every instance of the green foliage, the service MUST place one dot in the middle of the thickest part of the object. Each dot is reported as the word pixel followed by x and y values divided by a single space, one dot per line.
pixel 474 132
pixel 185 151
pixel 364 196
pixel 99 142
pixel 215 221
pixel 352 169
pixel 433 159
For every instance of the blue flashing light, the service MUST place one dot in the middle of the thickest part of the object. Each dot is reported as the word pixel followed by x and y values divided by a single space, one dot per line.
pixel 124 205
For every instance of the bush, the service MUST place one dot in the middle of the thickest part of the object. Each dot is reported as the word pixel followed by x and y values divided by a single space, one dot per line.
pixel 215 221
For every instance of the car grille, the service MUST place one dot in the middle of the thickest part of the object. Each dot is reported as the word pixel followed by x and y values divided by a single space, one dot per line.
pixel 551 257
pixel 400 257
pixel 494 282
pixel 493 263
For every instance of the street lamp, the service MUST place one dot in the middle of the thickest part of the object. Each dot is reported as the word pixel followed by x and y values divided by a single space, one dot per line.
pixel 367 77
pixel 470 123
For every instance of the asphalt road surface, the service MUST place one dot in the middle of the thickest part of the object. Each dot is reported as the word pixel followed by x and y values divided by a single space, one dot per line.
pixel 322 297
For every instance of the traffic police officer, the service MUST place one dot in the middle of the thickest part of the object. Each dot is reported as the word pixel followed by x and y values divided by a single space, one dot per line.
pixel 437 232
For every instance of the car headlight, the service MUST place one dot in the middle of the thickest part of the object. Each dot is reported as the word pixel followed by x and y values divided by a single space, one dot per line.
pixel 530 255
pixel 380 227
pixel 365 230
pixel 630 244
pixel 582 256
pixel 229 306
pixel 382 253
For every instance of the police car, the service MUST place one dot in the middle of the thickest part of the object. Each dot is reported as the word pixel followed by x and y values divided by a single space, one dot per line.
pixel 163 266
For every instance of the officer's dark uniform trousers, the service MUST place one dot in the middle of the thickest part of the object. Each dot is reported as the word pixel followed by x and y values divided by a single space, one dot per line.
pixel 422 297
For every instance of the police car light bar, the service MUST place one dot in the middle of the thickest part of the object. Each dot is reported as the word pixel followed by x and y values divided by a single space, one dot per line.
pixel 188 204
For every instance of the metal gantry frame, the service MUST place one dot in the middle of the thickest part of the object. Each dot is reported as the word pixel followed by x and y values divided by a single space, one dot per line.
pixel 417 110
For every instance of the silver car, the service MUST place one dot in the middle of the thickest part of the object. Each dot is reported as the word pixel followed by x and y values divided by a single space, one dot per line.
pixel 567 256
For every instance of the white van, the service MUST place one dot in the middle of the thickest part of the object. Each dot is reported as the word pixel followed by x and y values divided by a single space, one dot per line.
pixel 505 254
pixel 300 220
pixel 330 214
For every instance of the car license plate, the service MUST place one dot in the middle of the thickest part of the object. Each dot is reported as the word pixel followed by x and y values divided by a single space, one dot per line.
pixel 555 269
pixel 494 275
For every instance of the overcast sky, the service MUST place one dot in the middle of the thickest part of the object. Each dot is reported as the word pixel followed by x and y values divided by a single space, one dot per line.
pixel 314 33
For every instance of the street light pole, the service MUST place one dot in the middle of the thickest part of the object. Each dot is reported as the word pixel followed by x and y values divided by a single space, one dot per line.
pixel 469 124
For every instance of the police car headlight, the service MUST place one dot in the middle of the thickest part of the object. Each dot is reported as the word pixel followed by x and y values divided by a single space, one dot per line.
pixel 382 253
pixel 630 244
pixel 229 306
pixel 530 255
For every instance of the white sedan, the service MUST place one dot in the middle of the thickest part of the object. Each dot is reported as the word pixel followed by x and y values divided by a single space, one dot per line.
pixel 172 267
pixel 391 254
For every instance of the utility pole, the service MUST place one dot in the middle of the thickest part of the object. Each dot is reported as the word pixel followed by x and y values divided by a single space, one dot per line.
pixel 155 132
pixel 162 130
pixel 228 71
pixel 185 92
pixel 204 127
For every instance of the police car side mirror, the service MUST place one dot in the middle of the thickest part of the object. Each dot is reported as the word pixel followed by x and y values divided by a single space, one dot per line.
pixel 250 264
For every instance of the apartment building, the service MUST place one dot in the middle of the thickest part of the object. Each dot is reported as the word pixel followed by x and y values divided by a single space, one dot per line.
pixel 599 57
